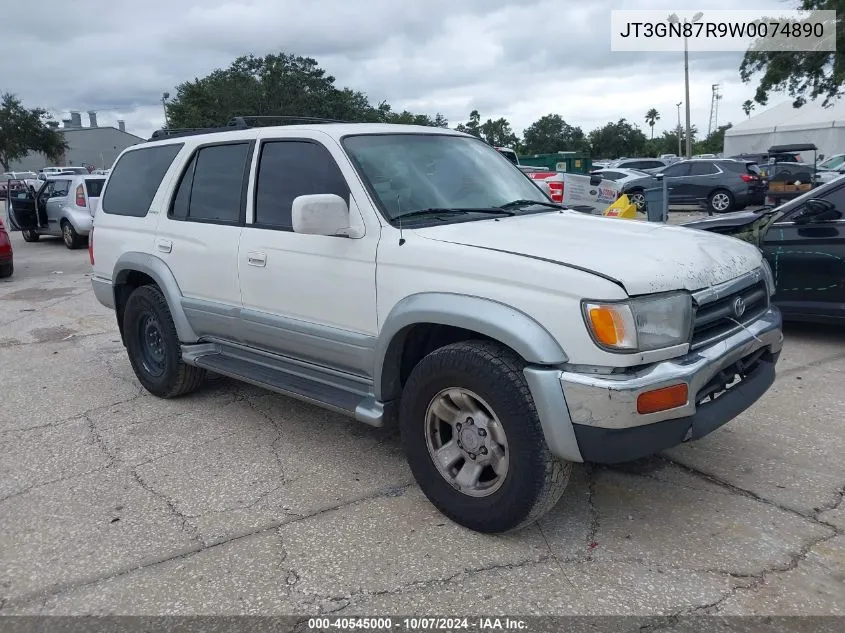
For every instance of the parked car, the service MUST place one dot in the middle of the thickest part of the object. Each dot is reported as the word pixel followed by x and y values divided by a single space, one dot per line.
pixel 762 158
pixel 63 206
pixel 12 181
pixel 669 158
pixel 650 165
pixel 722 184
pixel 837 161
pixel 7 264
pixel 621 175
pixel 409 274
pixel 804 242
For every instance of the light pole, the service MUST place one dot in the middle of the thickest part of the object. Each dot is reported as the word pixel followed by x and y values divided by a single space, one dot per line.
pixel 164 97
pixel 680 151
pixel 676 20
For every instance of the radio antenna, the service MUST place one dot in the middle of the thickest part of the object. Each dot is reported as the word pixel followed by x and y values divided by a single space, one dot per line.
pixel 399 219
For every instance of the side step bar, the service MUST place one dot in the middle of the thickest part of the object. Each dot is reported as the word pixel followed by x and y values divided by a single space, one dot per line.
pixel 333 390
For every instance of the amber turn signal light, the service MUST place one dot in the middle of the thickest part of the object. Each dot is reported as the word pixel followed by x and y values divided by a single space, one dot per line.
pixel 662 399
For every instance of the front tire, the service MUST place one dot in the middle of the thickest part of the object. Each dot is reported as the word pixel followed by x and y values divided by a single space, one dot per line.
pixel 153 346
pixel 473 439
pixel 30 235
pixel 71 238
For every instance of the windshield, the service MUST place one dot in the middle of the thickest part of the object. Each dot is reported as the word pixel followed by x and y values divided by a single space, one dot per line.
pixel 833 162
pixel 412 172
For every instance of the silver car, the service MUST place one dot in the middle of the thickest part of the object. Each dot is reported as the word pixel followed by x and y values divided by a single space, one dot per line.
pixel 63 206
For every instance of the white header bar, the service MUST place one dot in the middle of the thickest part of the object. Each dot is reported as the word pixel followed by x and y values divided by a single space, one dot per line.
pixel 722 30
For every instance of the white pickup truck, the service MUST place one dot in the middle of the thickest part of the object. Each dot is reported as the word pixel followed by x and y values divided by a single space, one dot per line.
pixel 414 275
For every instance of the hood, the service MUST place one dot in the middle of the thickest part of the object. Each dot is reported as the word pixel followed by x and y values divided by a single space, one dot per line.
pixel 641 257
pixel 726 221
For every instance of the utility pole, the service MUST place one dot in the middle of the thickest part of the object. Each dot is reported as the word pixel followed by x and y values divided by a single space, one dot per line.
pixel 674 19
pixel 164 97
pixel 680 151
pixel 714 110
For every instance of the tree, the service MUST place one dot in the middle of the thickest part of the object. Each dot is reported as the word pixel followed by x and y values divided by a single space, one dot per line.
pixel 747 107
pixel 275 85
pixel 652 117
pixel 802 74
pixel 498 133
pixel 551 134
pixel 24 130
pixel 473 126
pixel 617 139
pixel 713 144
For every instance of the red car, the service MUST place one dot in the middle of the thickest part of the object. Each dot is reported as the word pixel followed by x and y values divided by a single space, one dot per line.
pixel 6 265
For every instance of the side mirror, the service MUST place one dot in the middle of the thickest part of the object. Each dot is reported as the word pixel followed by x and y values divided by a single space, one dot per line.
pixel 595 180
pixel 322 214
pixel 817 210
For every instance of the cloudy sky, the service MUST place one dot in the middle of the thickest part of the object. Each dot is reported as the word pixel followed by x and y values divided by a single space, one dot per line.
pixel 519 59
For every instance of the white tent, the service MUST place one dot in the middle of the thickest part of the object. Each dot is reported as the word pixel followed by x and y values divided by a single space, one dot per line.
pixel 783 124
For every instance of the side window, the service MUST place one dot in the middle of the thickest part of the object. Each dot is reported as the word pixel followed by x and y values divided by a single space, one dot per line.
pixel 288 169
pixel 678 169
pixel 212 185
pixel 611 175
pixel 135 179
pixel 703 169
pixel 60 188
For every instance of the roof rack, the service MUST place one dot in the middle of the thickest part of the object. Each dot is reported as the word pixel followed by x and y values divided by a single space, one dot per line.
pixel 240 123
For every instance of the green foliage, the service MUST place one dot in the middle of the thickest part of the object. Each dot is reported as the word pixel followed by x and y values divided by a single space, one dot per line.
pixel 24 130
pixel 747 107
pixel 713 144
pixel 618 139
pixel 551 134
pixel 802 74
pixel 277 85
pixel 473 126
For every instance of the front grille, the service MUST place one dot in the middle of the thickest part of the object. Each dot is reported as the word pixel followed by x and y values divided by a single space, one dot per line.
pixel 717 319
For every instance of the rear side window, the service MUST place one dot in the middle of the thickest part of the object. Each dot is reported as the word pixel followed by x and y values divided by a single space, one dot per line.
pixel 212 187
pixel 94 187
pixel 288 169
pixel 136 178
pixel 703 169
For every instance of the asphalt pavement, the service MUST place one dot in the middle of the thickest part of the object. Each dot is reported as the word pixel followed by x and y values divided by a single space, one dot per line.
pixel 236 501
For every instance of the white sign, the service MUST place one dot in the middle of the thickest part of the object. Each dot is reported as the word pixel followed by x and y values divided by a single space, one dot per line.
pixel 579 194
pixel 771 29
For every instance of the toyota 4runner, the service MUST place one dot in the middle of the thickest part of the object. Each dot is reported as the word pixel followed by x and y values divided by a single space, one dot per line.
pixel 414 274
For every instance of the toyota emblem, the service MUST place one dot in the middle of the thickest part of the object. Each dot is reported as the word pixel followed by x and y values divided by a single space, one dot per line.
pixel 739 307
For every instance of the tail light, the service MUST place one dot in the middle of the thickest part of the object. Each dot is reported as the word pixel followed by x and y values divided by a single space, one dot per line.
pixel 80 196
pixel 91 245
pixel 556 191
pixel 748 178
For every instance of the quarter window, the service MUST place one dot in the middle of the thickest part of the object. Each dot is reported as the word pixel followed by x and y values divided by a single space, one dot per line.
pixel 136 178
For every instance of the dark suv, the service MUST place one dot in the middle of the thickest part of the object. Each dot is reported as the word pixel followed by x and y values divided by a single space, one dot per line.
pixel 723 184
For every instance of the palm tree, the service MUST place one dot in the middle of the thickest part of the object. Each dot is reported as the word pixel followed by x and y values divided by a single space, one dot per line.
pixel 652 117
pixel 747 107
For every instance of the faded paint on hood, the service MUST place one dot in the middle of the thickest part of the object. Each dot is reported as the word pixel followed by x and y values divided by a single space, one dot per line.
pixel 642 257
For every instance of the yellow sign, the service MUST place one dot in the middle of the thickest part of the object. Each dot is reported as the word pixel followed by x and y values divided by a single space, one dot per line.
pixel 622 208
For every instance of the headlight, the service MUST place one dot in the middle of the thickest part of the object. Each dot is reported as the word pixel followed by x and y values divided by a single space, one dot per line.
pixel 769 277
pixel 641 324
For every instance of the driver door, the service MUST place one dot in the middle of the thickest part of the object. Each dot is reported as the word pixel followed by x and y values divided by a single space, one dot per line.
pixel 24 207
pixel 807 256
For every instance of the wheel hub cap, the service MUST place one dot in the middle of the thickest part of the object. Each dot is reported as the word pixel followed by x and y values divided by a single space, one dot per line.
pixel 466 442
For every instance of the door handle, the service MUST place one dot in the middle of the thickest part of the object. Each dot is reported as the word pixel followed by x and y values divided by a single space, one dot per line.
pixel 256 259
pixel 165 246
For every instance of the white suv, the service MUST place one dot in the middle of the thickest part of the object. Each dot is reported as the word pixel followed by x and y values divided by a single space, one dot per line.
pixel 414 274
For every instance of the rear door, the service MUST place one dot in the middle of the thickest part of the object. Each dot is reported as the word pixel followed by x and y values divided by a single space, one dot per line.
pixel 703 179
pixel 23 211
pixel 674 175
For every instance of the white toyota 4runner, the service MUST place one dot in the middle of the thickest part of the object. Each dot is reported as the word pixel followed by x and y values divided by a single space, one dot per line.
pixel 414 274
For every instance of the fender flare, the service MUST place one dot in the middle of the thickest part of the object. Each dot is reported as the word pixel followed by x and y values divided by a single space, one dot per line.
pixel 160 272
pixel 491 318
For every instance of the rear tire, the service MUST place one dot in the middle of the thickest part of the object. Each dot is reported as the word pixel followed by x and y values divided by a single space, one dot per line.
pixel 720 201
pixel 30 236
pixel 511 477
pixel 153 346
pixel 71 238
pixel 6 270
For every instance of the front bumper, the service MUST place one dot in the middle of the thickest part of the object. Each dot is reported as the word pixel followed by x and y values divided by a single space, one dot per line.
pixel 601 416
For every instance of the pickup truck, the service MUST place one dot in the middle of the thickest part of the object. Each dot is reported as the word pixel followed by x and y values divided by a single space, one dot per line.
pixel 414 276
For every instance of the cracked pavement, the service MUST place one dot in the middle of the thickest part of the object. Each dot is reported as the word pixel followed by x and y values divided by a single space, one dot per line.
pixel 236 501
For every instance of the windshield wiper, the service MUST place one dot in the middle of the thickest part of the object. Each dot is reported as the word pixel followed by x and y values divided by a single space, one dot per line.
pixel 516 204
pixel 448 210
